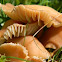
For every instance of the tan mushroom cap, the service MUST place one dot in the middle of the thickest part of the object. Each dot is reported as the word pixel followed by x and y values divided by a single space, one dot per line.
pixel 2 32
pixel 52 38
pixel 6 24
pixel 17 30
pixel 32 13
pixel 2 40
pixel 37 59
pixel 34 47
pixel 9 22
pixel 15 50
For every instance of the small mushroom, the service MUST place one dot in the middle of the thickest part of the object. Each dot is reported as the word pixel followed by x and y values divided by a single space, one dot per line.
pixel 14 50
pixel 52 38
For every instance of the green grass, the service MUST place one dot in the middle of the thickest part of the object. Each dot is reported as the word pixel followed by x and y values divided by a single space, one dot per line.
pixel 3 58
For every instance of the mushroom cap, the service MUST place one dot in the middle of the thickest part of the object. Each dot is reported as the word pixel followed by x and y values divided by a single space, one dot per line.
pixel 52 38
pixel 34 47
pixel 2 32
pixel 8 23
pixel 15 50
pixel 32 13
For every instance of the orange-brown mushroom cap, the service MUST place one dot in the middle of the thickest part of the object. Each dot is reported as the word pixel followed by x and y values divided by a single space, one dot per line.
pixel 8 23
pixel 2 32
pixel 32 13
pixel 15 50
pixel 52 38
pixel 34 47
